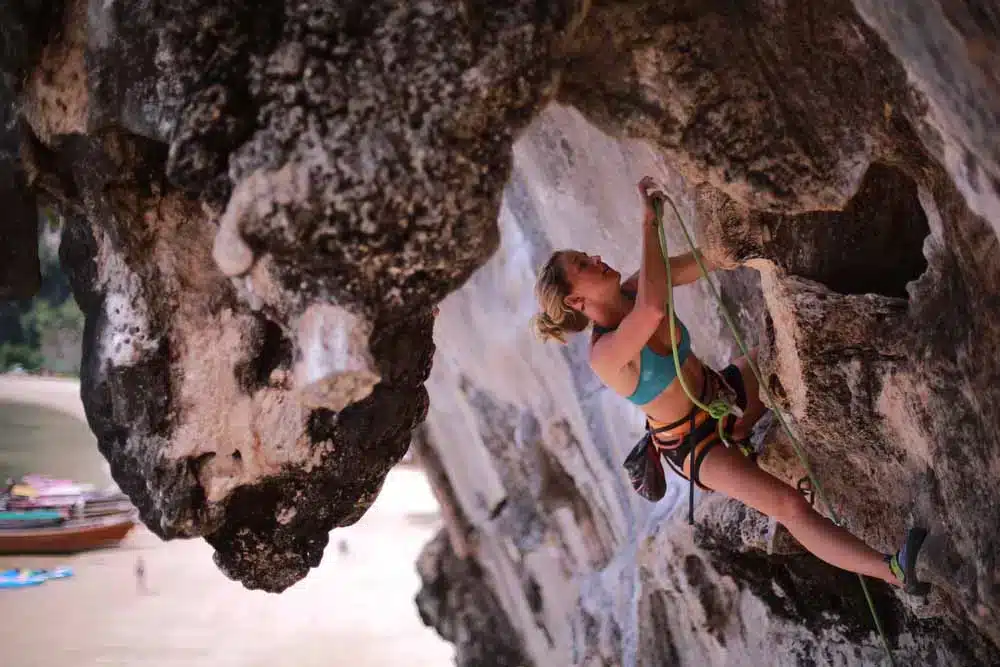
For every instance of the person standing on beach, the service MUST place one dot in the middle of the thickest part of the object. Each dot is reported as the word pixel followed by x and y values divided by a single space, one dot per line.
pixel 140 575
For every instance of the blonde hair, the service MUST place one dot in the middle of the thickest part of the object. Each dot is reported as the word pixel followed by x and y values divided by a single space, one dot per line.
pixel 551 289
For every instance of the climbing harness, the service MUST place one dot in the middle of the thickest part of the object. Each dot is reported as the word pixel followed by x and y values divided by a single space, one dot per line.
pixel 719 408
pixel 694 435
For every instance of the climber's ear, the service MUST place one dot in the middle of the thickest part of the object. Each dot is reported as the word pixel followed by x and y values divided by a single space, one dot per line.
pixel 631 284
pixel 574 301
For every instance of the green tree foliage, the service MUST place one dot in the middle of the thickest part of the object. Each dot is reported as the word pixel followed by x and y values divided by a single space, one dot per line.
pixel 44 317
pixel 14 356
pixel 43 333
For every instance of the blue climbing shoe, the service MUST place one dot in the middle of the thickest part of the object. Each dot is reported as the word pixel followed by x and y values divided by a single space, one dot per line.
pixel 904 563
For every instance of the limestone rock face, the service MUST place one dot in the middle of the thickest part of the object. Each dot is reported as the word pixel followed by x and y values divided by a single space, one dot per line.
pixel 265 200
pixel 200 402
pixel 843 309
pixel 950 53
pixel 455 601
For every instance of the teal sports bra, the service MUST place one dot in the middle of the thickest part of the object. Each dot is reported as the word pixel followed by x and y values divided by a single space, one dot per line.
pixel 656 371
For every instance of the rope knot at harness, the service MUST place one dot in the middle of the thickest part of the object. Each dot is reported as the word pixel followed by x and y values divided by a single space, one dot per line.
pixel 719 409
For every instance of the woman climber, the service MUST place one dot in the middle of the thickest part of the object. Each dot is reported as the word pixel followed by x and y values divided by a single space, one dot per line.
pixel 632 353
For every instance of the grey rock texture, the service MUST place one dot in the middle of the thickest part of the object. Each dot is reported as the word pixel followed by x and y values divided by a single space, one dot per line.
pixel 376 134
pixel 266 199
pixel 951 55
pixel 196 399
pixel 782 105
pixel 452 587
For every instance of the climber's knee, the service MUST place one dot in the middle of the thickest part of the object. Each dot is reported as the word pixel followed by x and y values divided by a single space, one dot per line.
pixel 789 507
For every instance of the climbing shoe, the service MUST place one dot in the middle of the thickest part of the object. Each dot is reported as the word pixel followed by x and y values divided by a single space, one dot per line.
pixel 904 563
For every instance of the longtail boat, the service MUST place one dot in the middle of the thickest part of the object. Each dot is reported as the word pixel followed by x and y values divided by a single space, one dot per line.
pixel 71 536
pixel 39 514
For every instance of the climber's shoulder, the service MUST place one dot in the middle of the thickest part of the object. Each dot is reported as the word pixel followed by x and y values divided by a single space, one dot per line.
pixel 614 376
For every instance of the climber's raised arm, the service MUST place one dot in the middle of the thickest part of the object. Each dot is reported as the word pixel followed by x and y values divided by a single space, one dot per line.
pixel 683 269
pixel 651 284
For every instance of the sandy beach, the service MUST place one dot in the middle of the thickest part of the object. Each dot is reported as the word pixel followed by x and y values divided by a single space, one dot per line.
pixel 355 610
pixel 47 392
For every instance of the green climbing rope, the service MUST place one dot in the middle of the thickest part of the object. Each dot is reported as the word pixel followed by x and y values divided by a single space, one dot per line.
pixel 719 408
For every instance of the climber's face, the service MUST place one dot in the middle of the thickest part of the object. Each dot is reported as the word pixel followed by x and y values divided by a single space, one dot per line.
pixel 590 280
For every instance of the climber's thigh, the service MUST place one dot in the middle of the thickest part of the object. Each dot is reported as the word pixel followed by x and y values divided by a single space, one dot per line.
pixel 728 471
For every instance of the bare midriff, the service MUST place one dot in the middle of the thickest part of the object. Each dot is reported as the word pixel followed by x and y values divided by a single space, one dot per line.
pixel 673 404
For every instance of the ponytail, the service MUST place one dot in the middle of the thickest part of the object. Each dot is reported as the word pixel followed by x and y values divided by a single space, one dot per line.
pixel 556 319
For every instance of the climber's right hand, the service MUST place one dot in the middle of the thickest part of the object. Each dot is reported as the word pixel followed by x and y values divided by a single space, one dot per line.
pixel 647 184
